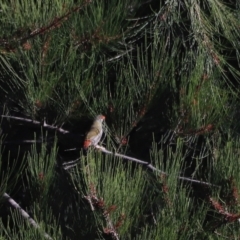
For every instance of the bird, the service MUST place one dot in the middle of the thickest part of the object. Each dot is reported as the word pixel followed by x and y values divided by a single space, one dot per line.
pixel 95 133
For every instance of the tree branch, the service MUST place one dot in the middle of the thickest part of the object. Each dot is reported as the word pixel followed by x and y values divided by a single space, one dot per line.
pixel 24 214
pixel 150 166
pixel 44 124
pixel 73 163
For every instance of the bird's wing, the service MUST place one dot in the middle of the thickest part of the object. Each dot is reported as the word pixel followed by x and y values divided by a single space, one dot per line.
pixel 95 130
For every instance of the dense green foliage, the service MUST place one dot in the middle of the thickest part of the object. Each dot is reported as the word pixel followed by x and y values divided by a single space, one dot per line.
pixel 166 76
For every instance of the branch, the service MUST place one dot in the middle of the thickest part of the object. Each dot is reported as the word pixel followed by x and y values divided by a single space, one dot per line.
pixel 24 214
pixel 71 164
pixel 44 124
pixel 150 166
pixel 55 23
pixel 98 204
pixel 26 141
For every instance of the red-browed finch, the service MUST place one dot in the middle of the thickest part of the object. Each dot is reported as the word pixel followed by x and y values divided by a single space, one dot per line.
pixel 95 133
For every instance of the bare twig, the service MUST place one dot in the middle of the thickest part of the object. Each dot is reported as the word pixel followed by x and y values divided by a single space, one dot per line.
pixel 88 198
pixel 98 203
pixel 71 164
pixel 154 219
pixel 111 227
pixel 150 166
pixel 71 149
pixel 67 167
pixel 24 213
pixel 54 24
pixel 44 124
pixel 25 141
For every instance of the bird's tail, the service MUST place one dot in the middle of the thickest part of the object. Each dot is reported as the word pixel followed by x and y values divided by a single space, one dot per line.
pixel 86 144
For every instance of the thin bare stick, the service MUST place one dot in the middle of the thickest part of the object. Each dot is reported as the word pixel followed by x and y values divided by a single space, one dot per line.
pixel 96 203
pixel 44 124
pixel 66 167
pixel 150 166
pixel 112 229
pixel 71 164
pixel 71 149
pixel 154 219
pixel 24 214
pixel 90 202
pixel 25 141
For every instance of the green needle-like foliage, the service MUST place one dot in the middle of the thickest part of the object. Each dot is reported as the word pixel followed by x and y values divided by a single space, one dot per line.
pixel 165 74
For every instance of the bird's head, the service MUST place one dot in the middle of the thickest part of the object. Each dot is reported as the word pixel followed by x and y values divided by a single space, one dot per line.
pixel 100 117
